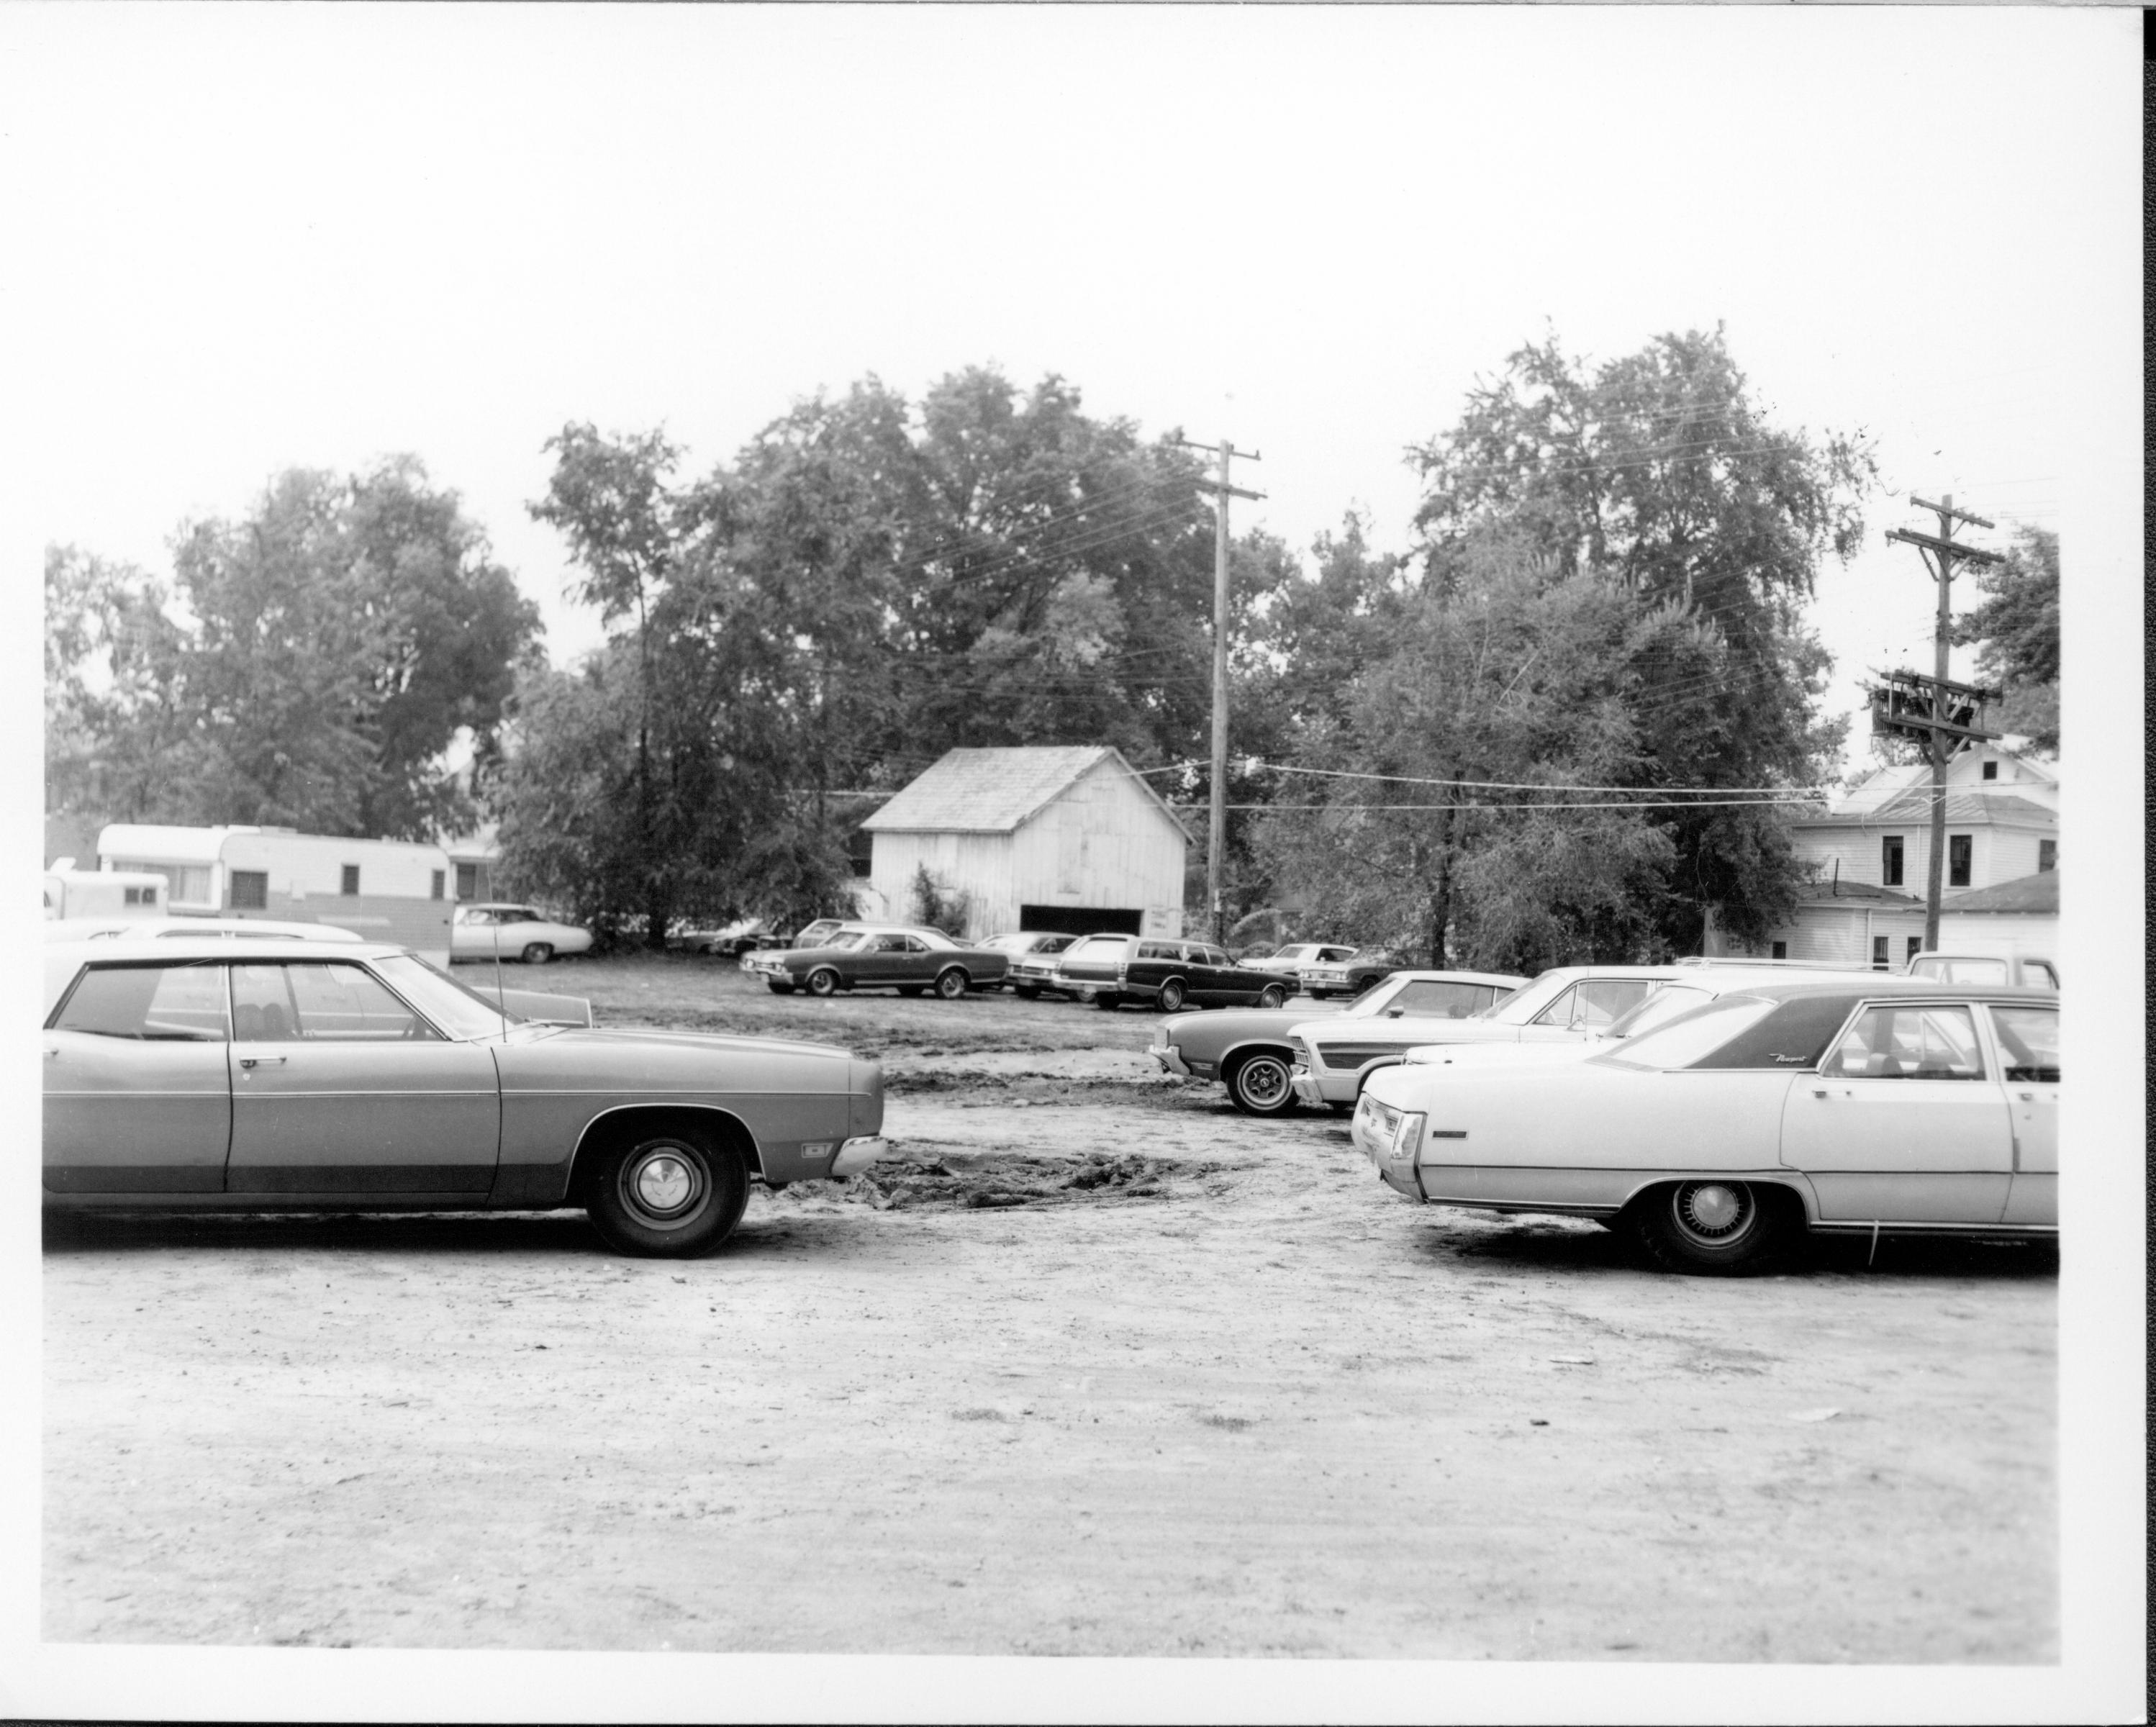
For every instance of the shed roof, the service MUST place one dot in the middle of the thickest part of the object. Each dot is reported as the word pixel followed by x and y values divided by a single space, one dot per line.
pixel 995 791
pixel 2036 893
pixel 1827 892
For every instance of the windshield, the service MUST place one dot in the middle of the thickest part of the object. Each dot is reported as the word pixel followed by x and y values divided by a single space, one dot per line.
pixel 1524 1003
pixel 1685 1041
pixel 456 1009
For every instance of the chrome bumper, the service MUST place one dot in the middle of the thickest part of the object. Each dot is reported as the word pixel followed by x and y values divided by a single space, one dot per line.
pixel 1305 1086
pixel 855 1155
pixel 1170 1057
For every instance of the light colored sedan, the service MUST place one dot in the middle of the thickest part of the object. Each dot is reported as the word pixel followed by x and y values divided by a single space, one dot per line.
pixel 1291 960
pixel 1864 1104
pixel 1248 1049
pixel 243 1074
pixel 507 932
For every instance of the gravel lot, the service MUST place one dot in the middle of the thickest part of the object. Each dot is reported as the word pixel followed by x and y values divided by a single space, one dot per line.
pixel 1095 1367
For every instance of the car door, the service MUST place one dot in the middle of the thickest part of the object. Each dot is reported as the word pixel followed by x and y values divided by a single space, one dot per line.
pixel 1902 1122
pixel 2027 1039
pixel 920 962
pixel 338 1086
pixel 137 1095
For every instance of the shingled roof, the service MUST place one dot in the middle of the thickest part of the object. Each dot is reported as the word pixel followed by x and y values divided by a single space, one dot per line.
pixel 1963 809
pixel 994 791
pixel 2037 893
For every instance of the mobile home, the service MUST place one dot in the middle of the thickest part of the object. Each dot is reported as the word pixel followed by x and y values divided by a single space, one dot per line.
pixel 384 889
pixel 73 892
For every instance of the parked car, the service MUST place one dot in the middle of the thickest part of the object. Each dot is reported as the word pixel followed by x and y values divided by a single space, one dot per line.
pixel 1109 970
pixel 908 958
pixel 1351 976
pixel 1333 1057
pixel 1032 958
pixel 1985 968
pixel 1290 960
pixel 239 1074
pixel 538 1006
pixel 1860 1104
pixel 814 934
pixel 488 931
pixel 1247 1049
pixel 725 941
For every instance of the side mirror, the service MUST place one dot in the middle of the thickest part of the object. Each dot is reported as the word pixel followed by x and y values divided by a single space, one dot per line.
pixel 1395 1012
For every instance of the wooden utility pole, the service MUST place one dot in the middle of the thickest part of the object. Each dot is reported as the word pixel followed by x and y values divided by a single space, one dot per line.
pixel 1943 736
pixel 1216 841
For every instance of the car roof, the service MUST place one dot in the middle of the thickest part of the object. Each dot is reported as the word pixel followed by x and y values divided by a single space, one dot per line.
pixel 171 948
pixel 1859 984
pixel 1503 980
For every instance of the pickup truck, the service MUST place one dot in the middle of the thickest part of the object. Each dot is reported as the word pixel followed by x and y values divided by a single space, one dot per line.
pixel 1985 968
pixel 1109 970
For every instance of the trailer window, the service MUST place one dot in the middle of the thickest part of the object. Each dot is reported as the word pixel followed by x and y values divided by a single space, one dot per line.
pixel 251 890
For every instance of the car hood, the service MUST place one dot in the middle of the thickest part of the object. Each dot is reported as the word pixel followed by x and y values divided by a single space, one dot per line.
pixel 1425 1030
pixel 1504 1055
pixel 1246 1021
pixel 609 1038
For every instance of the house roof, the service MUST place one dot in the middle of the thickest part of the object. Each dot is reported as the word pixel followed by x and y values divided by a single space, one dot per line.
pixel 2026 893
pixel 1963 809
pixel 995 791
pixel 1828 893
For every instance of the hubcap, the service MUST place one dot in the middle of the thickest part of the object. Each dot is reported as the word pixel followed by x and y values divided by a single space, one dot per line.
pixel 1713 1211
pixel 1264 1081
pixel 664 1184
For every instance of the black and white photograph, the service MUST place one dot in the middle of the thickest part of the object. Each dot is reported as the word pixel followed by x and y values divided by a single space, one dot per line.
pixel 1130 863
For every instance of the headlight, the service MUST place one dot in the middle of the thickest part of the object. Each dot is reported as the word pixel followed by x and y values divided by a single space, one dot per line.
pixel 1407 1135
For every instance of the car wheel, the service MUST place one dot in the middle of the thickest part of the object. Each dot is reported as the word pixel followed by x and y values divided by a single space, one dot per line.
pixel 1026 991
pixel 951 983
pixel 779 986
pixel 823 981
pixel 666 1194
pixel 536 953
pixel 1108 1001
pixel 1712 1228
pixel 1273 995
pixel 1170 998
pixel 1258 1085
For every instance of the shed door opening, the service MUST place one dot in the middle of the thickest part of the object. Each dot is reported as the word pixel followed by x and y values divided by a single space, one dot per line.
pixel 1081 920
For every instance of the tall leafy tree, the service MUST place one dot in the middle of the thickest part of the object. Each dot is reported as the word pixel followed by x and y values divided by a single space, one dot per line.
pixel 2016 627
pixel 1661 471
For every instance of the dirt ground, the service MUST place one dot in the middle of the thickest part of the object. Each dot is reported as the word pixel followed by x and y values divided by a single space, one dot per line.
pixel 1094 1366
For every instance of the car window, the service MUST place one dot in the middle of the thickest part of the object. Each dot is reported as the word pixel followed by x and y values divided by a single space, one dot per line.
pixel 2040 970
pixel 2029 1040
pixel 1098 947
pixel 1969 971
pixel 914 943
pixel 1333 956
pixel 180 1003
pixel 453 1006
pixel 1899 1042
pixel 1659 1008
pixel 1693 1039
pixel 892 943
pixel 1435 998
pixel 1159 951
pixel 319 1003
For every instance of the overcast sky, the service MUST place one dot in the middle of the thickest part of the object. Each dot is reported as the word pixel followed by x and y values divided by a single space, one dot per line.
pixel 272 236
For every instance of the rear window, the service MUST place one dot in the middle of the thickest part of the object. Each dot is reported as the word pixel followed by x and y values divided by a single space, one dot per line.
pixel 1949 971
pixel 1436 999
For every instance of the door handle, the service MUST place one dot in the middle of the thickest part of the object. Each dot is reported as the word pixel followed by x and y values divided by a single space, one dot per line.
pixel 1820 1092
pixel 261 1060
pixel 2026 1096
pixel 54 1054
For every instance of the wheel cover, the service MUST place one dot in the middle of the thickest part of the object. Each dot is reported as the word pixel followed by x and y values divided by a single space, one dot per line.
pixel 1273 997
pixel 950 985
pixel 823 983
pixel 1262 1080
pixel 1714 1214
pixel 663 1184
pixel 1170 998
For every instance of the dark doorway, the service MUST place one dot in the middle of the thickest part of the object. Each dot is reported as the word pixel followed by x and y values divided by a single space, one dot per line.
pixel 1080 920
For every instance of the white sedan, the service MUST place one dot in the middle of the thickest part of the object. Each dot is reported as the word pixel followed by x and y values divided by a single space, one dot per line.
pixel 1859 1105
pixel 512 932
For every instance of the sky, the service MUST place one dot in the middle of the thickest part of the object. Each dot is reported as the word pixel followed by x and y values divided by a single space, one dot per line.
pixel 241 239
pixel 272 237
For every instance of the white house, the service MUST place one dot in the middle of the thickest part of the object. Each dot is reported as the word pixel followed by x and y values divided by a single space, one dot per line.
pixel 1869 851
pixel 2017 917
pixel 1070 839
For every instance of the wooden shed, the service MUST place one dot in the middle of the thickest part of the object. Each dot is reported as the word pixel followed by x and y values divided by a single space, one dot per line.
pixel 1068 839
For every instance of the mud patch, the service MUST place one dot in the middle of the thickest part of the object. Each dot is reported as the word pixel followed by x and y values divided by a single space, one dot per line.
pixel 978 1180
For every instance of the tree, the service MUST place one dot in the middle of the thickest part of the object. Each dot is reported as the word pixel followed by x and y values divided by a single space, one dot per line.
pixel 1659 470
pixel 310 665
pixel 1510 674
pixel 2016 627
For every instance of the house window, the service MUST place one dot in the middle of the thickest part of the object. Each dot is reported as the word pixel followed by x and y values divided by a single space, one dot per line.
pixel 1990 770
pixel 435 885
pixel 1916 947
pixel 2047 855
pixel 350 886
pixel 467 881
pixel 1890 861
pixel 251 890
pixel 138 896
pixel 1778 951
pixel 1959 848
pixel 1879 960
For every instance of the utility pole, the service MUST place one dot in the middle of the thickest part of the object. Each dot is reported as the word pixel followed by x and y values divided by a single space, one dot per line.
pixel 1216 843
pixel 1945 713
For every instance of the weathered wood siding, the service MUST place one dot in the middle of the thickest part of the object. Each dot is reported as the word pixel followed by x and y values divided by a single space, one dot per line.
pixel 1104 843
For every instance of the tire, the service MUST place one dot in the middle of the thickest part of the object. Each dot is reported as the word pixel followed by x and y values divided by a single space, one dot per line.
pixel 1258 1085
pixel 1712 1228
pixel 1026 991
pixel 667 1194
pixel 1172 995
pixel 1107 1003
pixel 778 986
pixel 823 981
pixel 1273 995
pixel 951 983
pixel 536 953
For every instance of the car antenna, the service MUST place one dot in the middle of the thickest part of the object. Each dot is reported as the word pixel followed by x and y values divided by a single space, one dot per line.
pixel 501 1001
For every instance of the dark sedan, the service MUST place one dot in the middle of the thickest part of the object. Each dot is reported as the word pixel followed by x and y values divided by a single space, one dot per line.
pixel 1170 975
pixel 910 959
pixel 1349 977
